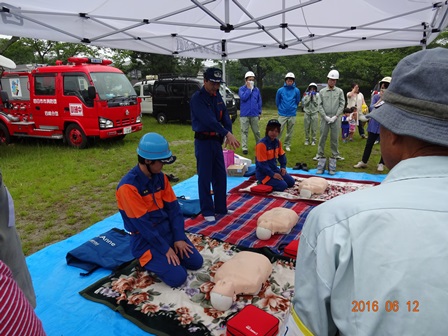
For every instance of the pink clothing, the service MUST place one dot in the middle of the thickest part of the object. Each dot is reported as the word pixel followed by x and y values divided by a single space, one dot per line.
pixel 17 316
pixel 353 122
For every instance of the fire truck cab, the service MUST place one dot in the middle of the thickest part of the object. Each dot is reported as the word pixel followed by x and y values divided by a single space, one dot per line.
pixel 77 102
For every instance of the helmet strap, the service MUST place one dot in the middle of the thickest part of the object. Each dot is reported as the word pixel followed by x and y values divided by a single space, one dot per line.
pixel 148 167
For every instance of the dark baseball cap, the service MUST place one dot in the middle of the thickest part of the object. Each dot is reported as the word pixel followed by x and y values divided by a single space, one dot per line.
pixel 214 75
pixel 416 102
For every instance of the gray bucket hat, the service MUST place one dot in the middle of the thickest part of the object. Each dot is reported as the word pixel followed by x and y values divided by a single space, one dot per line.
pixel 416 102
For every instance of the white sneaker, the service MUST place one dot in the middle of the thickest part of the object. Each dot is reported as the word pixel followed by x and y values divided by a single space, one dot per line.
pixel 360 164
pixel 313 144
pixel 317 157
pixel 306 143
pixel 288 149
pixel 376 142
pixel 210 218
pixel 380 167
pixel 339 158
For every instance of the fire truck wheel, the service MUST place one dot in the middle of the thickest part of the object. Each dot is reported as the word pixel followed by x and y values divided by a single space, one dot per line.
pixel 161 118
pixel 75 137
pixel 5 138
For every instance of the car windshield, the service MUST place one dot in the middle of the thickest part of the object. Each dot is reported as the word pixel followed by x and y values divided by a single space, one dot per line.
pixel 111 85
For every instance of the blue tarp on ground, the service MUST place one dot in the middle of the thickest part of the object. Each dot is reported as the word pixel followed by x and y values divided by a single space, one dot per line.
pixel 64 312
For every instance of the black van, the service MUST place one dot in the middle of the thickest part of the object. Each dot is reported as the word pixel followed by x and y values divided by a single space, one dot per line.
pixel 171 99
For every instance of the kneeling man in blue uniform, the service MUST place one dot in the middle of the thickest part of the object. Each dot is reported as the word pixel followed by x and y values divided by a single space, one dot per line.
pixel 152 215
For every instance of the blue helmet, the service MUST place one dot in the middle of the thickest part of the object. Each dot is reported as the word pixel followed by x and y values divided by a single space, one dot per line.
pixel 153 146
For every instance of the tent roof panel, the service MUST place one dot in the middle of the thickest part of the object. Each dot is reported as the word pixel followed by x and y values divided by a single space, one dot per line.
pixel 255 28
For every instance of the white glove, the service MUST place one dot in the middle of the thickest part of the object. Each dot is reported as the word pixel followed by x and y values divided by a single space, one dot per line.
pixel 327 119
pixel 333 119
pixel 251 84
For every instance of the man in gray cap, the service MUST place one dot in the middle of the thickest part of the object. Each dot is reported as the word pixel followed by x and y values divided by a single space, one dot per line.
pixel 379 267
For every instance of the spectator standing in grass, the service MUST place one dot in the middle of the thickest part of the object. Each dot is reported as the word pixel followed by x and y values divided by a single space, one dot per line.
pixel 310 104
pixel 356 99
pixel 250 109
pixel 345 125
pixel 353 121
pixel 373 129
pixel 331 107
pixel 287 99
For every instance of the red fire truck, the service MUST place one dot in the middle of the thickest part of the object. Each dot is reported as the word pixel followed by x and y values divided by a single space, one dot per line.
pixel 77 102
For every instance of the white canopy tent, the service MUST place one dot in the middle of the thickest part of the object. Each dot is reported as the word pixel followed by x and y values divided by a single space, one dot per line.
pixel 220 29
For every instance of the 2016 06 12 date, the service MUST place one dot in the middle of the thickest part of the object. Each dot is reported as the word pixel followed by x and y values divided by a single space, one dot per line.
pixel 390 306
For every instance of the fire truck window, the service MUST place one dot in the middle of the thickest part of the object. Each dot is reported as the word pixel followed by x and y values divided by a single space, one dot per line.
pixel 70 85
pixel 44 86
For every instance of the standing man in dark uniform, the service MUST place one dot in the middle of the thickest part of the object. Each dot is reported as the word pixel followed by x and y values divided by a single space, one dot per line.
pixel 212 127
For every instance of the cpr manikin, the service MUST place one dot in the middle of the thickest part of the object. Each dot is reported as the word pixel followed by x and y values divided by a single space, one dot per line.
pixel 244 273
pixel 312 185
pixel 276 220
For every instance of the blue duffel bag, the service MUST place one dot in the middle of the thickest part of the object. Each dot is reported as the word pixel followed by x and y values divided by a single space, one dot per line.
pixel 109 250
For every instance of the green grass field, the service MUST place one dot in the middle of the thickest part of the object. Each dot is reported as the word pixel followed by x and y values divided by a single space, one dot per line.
pixel 60 191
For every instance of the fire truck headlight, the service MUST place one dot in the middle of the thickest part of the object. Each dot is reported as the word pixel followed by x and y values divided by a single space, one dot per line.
pixel 139 119
pixel 105 123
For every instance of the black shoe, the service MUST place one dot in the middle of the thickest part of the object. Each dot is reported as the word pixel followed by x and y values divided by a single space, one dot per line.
pixel 298 166
pixel 172 178
pixel 304 167
pixel 245 151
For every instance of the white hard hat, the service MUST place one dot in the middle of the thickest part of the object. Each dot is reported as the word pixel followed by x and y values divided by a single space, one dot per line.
pixel 333 74
pixel 386 79
pixel 313 84
pixel 249 74
pixel 290 75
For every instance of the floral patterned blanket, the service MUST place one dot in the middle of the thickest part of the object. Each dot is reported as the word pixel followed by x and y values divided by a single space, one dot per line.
pixel 335 188
pixel 143 299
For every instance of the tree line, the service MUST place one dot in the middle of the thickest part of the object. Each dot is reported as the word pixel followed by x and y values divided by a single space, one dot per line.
pixel 363 67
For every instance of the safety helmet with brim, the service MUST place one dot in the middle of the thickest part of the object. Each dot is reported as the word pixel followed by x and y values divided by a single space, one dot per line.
pixel 153 146
pixel 290 75
pixel 249 74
